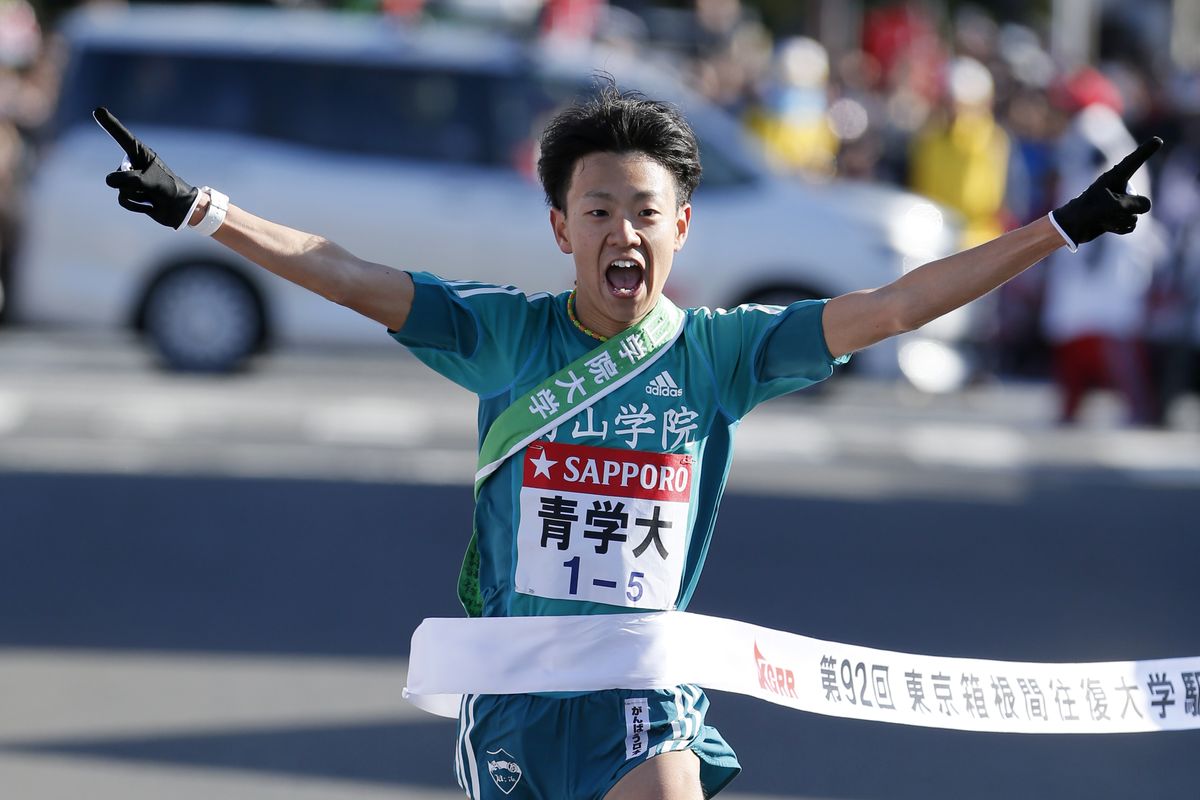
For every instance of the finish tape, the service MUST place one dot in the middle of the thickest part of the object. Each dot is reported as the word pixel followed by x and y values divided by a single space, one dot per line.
pixel 660 650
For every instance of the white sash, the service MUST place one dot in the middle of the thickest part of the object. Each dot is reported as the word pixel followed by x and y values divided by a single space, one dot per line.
pixel 660 650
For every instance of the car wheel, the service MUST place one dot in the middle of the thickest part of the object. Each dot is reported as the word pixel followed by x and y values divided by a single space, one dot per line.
pixel 203 318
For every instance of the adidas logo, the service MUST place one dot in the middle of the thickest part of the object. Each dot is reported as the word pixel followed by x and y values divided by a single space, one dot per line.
pixel 664 385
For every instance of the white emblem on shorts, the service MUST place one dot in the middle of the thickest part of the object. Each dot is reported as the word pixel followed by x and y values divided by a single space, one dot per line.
pixel 504 770
pixel 664 385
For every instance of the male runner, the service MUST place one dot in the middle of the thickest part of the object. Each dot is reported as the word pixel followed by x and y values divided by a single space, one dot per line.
pixel 615 411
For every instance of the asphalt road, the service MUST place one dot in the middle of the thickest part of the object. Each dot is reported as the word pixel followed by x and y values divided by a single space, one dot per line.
pixel 311 570
pixel 196 605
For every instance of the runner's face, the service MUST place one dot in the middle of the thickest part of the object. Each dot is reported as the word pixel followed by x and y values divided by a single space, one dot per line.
pixel 623 229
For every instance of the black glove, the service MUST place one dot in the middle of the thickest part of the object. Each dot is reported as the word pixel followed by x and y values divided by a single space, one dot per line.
pixel 149 187
pixel 1106 205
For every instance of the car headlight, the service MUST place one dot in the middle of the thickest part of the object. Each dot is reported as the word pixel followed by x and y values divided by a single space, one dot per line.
pixel 919 234
pixel 933 366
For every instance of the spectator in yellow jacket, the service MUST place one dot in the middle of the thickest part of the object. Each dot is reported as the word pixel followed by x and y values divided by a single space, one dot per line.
pixel 790 118
pixel 960 158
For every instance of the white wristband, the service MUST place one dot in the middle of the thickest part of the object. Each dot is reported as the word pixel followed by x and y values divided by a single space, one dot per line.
pixel 1070 244
pixel 214 216
pixel 187 218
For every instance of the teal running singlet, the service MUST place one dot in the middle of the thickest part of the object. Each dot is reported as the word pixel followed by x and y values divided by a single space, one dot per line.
pixel 613 510
pixel 610 512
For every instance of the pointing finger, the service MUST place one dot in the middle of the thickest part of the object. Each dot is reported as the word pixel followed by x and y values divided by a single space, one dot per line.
pixel 120 134
pixel 1121 173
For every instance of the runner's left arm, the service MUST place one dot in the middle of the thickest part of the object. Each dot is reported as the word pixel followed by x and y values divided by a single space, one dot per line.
pixel 859 319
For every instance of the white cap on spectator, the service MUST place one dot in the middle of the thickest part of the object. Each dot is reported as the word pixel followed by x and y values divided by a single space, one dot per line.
pixel 969 82
pixel 801 61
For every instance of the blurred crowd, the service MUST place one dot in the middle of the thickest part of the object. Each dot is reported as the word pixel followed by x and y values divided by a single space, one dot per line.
pixel 29 73
pixel 969 110
pixel 977 114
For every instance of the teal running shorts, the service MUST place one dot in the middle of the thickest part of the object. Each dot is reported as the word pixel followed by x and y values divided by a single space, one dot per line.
pixel 539 747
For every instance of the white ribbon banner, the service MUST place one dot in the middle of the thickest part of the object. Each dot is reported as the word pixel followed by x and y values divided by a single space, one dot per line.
pixel 519 655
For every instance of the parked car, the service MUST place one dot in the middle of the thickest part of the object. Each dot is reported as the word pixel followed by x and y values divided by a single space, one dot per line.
pixel 415 147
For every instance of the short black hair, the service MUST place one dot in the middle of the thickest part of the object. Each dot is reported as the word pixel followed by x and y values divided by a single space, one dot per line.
pixel 616 121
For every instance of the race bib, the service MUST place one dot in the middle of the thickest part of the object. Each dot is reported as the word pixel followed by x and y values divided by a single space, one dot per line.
pixel 603 525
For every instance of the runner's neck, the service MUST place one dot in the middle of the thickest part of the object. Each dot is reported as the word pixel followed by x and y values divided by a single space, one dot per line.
pixel 598 332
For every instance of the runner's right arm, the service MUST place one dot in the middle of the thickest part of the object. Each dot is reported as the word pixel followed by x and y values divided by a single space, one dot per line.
pixel 148 187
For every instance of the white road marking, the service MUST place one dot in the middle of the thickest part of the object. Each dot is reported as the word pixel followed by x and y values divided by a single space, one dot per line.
pixel 366 420
pixel 14 409
pixel 803 439
pixel 974 446
pixel 67 409
pixel 150 417
pixel 1146 450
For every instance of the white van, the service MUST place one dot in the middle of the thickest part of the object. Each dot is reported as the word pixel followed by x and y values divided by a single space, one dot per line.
pixel 409 146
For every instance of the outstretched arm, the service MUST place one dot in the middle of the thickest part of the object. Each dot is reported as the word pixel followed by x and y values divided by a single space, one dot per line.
pixel 148 187
pixel 859 319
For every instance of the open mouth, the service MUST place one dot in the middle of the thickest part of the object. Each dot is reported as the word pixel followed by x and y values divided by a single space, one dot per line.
pixel 624 277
